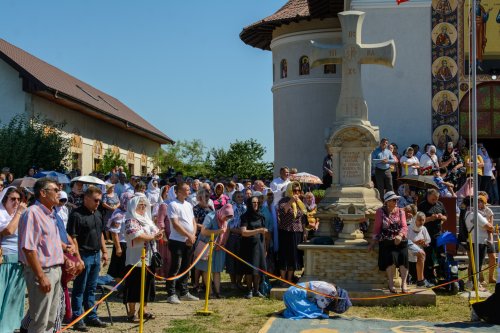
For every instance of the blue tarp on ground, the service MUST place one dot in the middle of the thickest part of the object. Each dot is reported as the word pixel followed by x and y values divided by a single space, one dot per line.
pixel 341 324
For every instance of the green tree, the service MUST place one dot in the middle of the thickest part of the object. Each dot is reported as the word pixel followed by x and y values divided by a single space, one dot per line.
pixel 33 140
pixel 109 161
pixel 243 158
pixel 185 156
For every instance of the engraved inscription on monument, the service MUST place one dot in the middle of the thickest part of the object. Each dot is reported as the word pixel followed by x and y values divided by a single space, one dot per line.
pixel 352 167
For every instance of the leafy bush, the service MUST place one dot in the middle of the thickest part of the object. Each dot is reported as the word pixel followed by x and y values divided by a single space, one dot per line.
pixel 33 141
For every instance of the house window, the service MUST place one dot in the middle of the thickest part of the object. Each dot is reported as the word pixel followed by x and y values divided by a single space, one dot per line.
pixel 283 69
pixel 97 161
pixel 76 161
pixel 304 65
pixel 131 169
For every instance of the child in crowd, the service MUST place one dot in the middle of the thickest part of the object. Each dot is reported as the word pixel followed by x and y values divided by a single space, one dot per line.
pixel 418 235
pixel 445 188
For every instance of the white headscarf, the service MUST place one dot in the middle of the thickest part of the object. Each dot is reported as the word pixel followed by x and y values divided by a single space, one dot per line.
pixel 132 213
pixel 5 218
pixel 153 192
pixel 171 194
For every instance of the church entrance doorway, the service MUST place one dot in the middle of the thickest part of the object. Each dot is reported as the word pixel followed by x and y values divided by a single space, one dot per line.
pixel 488 117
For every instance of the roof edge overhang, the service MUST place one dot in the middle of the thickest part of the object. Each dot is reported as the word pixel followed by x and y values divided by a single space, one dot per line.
pixel 34 86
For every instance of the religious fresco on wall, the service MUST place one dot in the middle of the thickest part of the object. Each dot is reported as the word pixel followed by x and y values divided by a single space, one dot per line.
pixel 444 134
pixel 445 103
pixel 444 7
pixel 444 37
pixel 487 67
pixel 487 35
pixel 304 65
pixel 444 68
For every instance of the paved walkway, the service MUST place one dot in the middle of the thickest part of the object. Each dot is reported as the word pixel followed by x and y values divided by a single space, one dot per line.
pixel 341 324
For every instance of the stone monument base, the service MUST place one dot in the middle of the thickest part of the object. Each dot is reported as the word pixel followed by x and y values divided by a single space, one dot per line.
pixel 349 266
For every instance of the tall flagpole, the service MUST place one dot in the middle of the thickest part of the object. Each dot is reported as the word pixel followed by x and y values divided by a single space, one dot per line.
pixel 473 66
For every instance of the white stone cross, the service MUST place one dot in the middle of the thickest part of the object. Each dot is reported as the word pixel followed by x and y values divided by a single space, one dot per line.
pixel 351 54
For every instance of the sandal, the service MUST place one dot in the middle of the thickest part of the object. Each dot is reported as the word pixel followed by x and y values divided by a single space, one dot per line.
pixel 404 291
pixel 132 319
pixel 392 290
pixel 148 315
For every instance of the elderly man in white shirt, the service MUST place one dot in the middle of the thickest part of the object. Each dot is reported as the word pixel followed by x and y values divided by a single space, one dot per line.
pixel 278 185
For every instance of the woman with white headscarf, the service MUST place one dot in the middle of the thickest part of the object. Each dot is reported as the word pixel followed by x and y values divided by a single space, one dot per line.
pixel 163 223
pixel 140 232
pixel 153 195
pixel 429 161
pixel 11 271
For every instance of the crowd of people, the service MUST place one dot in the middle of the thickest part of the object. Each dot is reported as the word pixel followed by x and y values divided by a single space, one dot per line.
pixel 408 226
pixel 451 168
pixel 55 237
pixel 50 237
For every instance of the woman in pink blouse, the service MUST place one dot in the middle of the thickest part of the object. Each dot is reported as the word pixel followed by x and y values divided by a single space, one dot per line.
pixel 390 232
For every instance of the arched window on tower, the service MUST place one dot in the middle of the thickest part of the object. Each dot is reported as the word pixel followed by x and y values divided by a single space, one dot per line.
pixel 283 69
pixel 304 65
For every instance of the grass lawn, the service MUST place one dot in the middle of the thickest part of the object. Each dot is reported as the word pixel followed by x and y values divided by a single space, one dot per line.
pixel 236 314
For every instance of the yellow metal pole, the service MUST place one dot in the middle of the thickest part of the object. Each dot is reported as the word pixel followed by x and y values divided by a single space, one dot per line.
pixel 205 311
pixel 473 264
pixel 143 285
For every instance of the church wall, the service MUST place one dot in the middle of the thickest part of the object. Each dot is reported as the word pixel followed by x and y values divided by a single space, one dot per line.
pixel 12 97
pixel 304 105
pixel 399 99
pixel 91 129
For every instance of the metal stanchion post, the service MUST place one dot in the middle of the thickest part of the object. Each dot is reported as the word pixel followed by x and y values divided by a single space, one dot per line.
pixel 205 311
pixel 143 285
pixel 473 264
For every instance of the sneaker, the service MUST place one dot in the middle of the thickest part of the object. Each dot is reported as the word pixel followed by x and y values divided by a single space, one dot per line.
pixel 189 297
pixel 173 299
pixel 96 323
pixel 80 326
pixel 249 295
pixel 424 283
pixel 257 293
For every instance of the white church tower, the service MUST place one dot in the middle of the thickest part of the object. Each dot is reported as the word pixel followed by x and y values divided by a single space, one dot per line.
pixel 305 98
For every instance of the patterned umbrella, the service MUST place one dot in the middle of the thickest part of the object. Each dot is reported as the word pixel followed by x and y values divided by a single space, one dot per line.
pixel 24 182
pixel 304 177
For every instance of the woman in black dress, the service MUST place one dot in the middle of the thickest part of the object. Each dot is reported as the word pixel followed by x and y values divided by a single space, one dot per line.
pixel 252 245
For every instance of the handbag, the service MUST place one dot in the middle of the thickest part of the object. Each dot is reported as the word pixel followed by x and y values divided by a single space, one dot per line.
pixel 67 270
pixel 156 260
pixel 199 247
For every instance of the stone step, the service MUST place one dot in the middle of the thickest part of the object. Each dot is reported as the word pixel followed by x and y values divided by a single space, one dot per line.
pixel 425 297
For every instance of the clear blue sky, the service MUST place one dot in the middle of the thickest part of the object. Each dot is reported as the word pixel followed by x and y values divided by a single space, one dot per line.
pixel 179 64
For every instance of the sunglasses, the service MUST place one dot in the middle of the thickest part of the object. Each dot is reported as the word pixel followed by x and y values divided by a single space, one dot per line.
pixel 296 191
pixel 14 198
pixel 255 202
pixel 55 189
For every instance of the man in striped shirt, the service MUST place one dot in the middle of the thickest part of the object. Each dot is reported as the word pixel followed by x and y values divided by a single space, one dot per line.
pixel 41 253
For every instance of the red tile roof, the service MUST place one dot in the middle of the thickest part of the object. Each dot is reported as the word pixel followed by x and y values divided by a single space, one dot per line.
pixel 41 77
pixel 260 33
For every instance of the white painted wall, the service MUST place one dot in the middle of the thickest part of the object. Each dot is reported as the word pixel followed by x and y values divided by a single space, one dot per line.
pixel 93 129
pixel 12 97
pixel 13 100
pixel 304 106
pixel 399 99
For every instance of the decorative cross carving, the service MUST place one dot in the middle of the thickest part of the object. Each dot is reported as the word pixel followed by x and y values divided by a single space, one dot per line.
pixel 351 54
